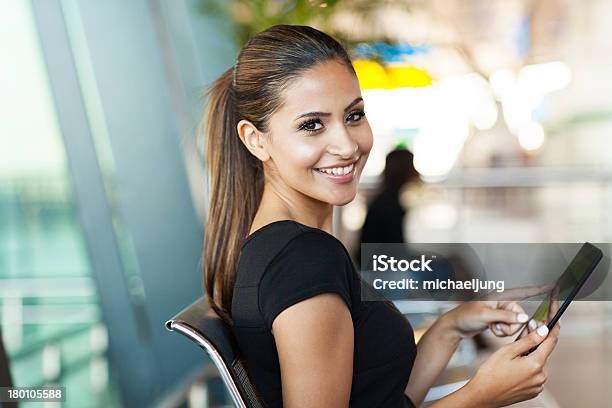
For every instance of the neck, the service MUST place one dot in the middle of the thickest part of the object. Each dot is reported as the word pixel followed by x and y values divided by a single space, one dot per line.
pixel 280 204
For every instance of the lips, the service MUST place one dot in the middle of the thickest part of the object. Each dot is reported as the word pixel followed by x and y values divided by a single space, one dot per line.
pixel 339 173
pixel 339 168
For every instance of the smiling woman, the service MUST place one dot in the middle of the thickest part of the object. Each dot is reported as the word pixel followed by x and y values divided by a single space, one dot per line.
pixel 288 124
pixel 287 139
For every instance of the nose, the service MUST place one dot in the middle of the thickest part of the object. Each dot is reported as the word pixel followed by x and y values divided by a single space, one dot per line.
pixel 342 144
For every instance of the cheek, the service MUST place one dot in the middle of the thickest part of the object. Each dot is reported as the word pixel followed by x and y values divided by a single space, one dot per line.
pixel 365 139
pixel 298 156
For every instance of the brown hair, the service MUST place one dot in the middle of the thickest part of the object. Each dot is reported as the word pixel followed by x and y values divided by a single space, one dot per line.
pixel 250 90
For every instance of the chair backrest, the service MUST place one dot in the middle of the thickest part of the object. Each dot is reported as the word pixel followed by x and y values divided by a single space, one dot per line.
pixel 199 323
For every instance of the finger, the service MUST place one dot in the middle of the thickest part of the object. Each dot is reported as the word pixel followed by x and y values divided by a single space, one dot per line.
pixel 544 349
pixel 491 315
pixel 553 309
pixel 496 329
pixel 524 332
pixel 556 330
pixel 515 328
pixel 547 346
pixel 514 306
pixel 511 329
pixel 527 342
pixel 554 294
pixel 527 328
pixel 532 325
pixel 508 329
pixel 502 329
pixel 507 305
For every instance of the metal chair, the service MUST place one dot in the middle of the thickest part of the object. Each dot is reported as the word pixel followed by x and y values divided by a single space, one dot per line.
pixel 200 324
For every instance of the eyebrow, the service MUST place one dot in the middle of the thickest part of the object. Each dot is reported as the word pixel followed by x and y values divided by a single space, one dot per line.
pixel 355 102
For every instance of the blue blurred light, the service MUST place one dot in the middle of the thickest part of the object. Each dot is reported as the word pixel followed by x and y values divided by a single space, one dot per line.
pixel 389 52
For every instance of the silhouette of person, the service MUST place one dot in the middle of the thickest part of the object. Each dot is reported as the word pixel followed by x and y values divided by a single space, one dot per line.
pixel 385 217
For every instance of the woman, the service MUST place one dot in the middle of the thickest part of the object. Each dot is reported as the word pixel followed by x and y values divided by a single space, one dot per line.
pixel 287 139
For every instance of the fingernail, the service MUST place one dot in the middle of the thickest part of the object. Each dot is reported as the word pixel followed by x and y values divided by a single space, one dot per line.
pixel 498 327
pixel 543 330
pixel 532 324
pixel 522 317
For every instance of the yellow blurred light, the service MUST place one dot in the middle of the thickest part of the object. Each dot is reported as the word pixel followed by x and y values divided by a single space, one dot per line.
pixel 403 76
pixel 372 75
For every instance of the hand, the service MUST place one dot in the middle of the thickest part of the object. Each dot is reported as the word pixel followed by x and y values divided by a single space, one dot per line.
pixel 503 317
pixel 508 376
pixel 544 314
pixel 471 318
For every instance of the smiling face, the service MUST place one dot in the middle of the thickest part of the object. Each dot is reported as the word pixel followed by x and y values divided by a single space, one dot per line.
pixel 319 140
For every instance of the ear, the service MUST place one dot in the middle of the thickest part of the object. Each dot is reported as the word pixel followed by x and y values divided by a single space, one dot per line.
pixel 253 139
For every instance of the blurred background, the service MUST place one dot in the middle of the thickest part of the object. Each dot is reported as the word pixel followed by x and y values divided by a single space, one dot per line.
pixel 506 106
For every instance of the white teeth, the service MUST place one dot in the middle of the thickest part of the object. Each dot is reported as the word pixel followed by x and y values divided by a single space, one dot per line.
pixel 338 171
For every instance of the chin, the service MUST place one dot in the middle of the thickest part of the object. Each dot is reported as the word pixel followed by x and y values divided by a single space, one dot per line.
pixel 342 199
pixel 343 202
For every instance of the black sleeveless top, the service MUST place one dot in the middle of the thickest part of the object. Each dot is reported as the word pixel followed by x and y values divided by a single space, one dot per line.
pixel 285 262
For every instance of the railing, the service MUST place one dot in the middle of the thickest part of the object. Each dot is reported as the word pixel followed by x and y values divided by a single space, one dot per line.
pixel 54 335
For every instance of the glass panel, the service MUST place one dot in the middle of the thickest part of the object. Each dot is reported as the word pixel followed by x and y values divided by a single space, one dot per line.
pixel 99 132
pixel 49 313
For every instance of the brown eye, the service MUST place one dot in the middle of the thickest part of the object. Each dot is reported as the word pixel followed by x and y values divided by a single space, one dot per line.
pixel 356 116
pixel 312 125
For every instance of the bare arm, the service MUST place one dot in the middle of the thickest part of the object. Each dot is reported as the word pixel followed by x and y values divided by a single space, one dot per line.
pixel 315 341
pixel 434 350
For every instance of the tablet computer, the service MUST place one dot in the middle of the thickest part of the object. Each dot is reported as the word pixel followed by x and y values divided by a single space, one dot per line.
pixel 566 288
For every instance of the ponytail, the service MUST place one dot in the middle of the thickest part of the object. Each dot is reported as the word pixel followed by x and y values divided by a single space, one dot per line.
pixel 251 91
pixel 236 186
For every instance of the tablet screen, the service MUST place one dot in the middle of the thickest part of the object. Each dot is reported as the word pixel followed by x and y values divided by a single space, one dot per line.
pixel 566 287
